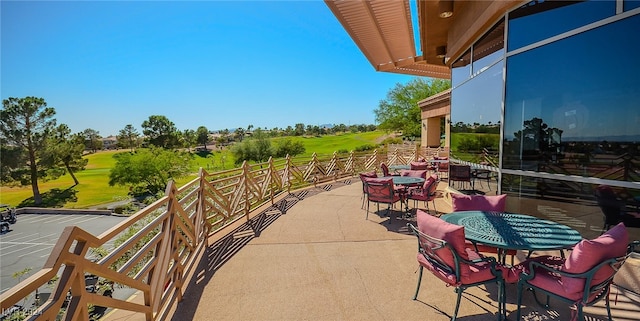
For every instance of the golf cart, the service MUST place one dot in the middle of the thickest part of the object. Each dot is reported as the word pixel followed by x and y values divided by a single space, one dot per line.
pixel 7 215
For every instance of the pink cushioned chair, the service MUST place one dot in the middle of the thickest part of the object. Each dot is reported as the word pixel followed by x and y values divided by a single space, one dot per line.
pixel 426 193
pixel 363 176
pixel 442 251
pixel 381 190
pixel 385 170
pixel 583 278
pixel 489 203
pixel 419 166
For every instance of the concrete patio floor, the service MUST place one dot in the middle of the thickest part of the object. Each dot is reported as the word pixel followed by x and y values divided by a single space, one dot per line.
pixel 316 257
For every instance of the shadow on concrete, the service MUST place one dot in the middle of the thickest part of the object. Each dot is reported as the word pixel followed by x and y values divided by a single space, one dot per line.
pixel 220 252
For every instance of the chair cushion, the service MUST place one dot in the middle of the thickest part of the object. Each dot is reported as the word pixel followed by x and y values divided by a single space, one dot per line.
pixel 419 165
pixel 589 253
pixel 427 192
pixel 430 180
pixel 371 174
pixel 462 202
pixel 414 173
pixel 451 233
pixel 476 272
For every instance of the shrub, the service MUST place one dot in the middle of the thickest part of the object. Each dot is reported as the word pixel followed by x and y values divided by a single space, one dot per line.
pixel 392 140
pixel 366 147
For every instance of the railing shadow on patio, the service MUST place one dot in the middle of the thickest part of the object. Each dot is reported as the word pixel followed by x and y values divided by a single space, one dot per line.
pixel 156 250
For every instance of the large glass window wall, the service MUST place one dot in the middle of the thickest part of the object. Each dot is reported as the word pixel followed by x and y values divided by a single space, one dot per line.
pixel 539 20
pixel 477 97
pixel 573 106
pixel 571 117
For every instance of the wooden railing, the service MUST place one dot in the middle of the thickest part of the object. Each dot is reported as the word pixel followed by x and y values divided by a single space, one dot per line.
pixel 155 251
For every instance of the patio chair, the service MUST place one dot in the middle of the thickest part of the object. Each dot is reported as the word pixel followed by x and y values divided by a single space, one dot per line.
pixel 442 167
pixel 419 166
pixel 426 193
pixel 442 251
pixel 371 174
pixel 489 203
pixel 385 170
pixel 582 279
pixel 381 190
pixel 461 174
pixel 483 175
pixel 614 209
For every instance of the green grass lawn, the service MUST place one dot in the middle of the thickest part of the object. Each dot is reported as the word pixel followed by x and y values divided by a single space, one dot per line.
pixel 324 145
pixel 94 188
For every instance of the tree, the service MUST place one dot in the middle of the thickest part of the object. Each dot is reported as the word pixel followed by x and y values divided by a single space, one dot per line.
pixel 13 165
pixel 262 146
pixel 224 137
pixel 400 111
pixel 128 137
pixel 63 153
pixel 239 134
pixel 149 169
pixel 299 129
pixel 289 131
pixel 160 131
pixel 189 138
pixel 25 124
pixel 258 148
pixel 287 146
pixel 93 140
pixel 202 136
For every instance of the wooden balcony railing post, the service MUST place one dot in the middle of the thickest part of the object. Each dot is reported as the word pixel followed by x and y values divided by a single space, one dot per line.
pixel 199 223
pixel 246 171
pixel 286 180
pixel 163 253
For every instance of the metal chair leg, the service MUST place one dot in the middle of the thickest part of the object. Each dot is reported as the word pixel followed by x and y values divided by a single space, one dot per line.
pixel 415 296
pixel 455 313
pixel 607 302
pixel 520 288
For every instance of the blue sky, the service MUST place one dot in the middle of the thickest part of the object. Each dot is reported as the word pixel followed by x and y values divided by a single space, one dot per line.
pixel 219 64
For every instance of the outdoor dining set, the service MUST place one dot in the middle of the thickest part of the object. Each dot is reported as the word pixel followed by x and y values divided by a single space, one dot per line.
pixel 469 246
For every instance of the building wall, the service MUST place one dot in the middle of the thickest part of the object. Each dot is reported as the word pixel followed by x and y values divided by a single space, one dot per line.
pixel 432 111
pixel 561 82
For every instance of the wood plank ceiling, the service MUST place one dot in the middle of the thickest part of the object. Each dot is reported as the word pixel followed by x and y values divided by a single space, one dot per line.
pixel 383 31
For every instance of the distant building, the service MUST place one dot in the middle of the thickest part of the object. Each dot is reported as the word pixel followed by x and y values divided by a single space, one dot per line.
pixel 110 142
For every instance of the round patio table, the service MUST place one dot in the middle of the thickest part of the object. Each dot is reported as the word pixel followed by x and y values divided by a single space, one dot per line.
pixel 510 231
pixel 406 181
pixel 399 167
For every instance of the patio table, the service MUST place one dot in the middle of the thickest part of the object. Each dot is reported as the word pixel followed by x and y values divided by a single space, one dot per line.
pixel 510 231
pixel 399 167
pixel 406 181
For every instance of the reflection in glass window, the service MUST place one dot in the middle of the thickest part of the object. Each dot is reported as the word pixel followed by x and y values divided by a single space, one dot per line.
pixel 461 69
pixel 570 203
pixel 489 48
pixel 475 120
pixel 573 106
pixel 539 20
